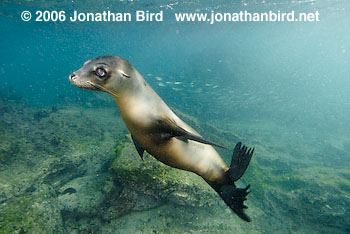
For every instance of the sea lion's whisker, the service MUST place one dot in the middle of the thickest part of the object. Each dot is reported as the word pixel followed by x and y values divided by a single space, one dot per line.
pixel 102 88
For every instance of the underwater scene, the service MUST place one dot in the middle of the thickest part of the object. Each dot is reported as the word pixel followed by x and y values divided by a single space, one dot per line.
pixel 126 116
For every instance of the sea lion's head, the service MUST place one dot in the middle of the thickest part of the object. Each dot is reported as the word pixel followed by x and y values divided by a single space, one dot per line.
pixel 109 74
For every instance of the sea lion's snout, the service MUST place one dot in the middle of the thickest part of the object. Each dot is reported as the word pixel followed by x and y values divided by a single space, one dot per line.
pixel 81 82
pixel 72 77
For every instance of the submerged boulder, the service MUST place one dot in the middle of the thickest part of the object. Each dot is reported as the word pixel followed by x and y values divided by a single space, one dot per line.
pixel 148 183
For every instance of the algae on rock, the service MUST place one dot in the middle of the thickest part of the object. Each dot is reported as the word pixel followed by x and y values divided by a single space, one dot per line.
pixel 31 213
pixel 151 178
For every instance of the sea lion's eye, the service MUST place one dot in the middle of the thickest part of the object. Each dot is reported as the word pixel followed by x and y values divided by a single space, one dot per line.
pixel 100 72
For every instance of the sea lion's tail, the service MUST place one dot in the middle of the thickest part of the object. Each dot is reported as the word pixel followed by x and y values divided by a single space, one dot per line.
pixel 234 197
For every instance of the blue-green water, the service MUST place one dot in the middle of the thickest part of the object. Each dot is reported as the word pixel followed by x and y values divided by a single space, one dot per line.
pixel 283 87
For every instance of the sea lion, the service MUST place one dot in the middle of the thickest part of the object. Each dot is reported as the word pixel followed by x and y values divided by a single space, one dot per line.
pixel 158 130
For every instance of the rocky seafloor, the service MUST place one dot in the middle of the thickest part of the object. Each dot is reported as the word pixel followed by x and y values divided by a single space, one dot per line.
pixel 74 169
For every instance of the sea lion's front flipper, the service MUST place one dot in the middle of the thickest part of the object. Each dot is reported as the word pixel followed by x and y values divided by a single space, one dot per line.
pixel 169 128
pixel 138 147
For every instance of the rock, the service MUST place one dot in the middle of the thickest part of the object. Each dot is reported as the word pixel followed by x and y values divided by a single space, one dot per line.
pixel 81 196
pixel 31 213
pixel 150 181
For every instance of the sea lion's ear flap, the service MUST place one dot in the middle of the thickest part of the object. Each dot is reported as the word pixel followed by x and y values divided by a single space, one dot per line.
pixel 124 74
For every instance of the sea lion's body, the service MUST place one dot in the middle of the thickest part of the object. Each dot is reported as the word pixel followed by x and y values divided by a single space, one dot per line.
pixel 155 127
pixel 139 111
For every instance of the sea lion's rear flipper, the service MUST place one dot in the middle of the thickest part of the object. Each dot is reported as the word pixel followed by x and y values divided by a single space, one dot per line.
pixel 234 197
pixel 240 161
pixel 169 128
pixel 138 147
